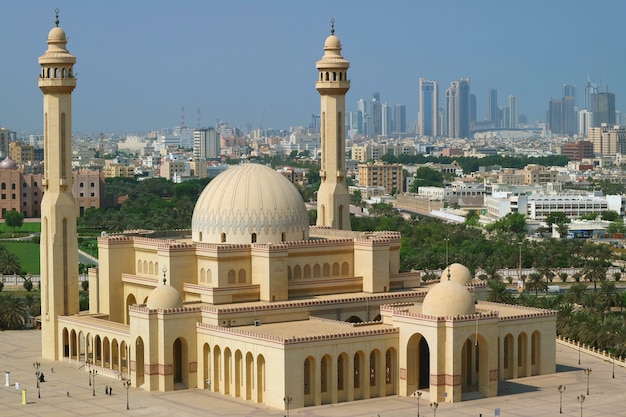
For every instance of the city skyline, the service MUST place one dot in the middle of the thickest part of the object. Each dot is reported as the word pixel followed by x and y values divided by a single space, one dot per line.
pixel 251 64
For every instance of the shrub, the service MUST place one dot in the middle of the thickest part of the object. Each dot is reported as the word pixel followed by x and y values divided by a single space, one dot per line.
pixel 28 284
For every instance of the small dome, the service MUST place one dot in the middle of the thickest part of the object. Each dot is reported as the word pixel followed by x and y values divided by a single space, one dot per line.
pixel 332 42
pixel 164 297
pixel 57 34
pixel 458 273
pixel 8 163
pixel 250 203
pixel 448 298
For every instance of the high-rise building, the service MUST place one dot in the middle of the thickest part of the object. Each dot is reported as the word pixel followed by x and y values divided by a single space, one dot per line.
pixel 400 118
pixel 428 118
pixel 513 112
pixel 608 140
pixel 569 122
pixel 584 121
pixel 458 108
pixel 59 242
pixel 387 120
pixel 472 110
pixel 206 143
pixel 333 200
pixel 376 113
pixel 492 106
pixel 570 91
pixel 362 115
pixel 603 109
pixel 591 88
pixel 555 119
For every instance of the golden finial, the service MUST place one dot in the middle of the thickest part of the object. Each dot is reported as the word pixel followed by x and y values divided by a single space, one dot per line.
pixel 332 26
pixel 57 19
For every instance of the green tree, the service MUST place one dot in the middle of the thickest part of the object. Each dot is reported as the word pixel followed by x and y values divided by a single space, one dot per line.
pixel 9 263
pixel 559 219
pixel 535 283
pixel 610 215
pixel 426 177
pixel 512 222
pixel 498 292
pixel 14 219
pixel 13 313
pixel 576 293
pixel 28 284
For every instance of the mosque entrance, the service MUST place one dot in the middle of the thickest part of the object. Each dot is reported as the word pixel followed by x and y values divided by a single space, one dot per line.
pixel 179 360
pixel 418 364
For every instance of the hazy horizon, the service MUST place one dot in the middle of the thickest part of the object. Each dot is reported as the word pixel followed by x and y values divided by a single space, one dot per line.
pixel 250 62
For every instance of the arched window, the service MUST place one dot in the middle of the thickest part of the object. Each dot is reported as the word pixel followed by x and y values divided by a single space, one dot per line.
pixel 242 276
pixel 327 77
pixel 139 266
pixel 209 276
pixel 231 276
pixel 345 269
pixel 335 269
pixel 326 270
pixel 253 237
pixel 307 271
pixel 296 272
pixel 334 76
pixel 316 271
pixel 282 237
pixel 223 237
pixel 202 275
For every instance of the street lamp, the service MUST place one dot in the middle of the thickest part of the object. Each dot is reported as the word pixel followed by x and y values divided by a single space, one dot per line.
pixel 36 365
pixel 93 386
pixel 287 401
pixel 88 371
pixel 418 395
pixel 581 400
pixel 587 372
pixel 127 386
pixel 579 352
pixel 447 262
pixel 561 389
pixel 434 407
pixel 613 367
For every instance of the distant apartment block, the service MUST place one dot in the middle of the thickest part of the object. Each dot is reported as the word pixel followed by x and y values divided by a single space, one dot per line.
pixel 24 192
pixel 608 140
pixel 118 170
pixel 577 151
pixel 20 153
pixel 381 174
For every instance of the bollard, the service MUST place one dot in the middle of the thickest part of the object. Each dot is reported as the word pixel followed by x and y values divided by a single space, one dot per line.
pixel 23 397
pixel 7 379
pixel 17 387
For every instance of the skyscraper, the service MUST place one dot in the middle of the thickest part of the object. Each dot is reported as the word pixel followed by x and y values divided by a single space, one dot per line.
pixel 591 88
pixel 206 143
pixel 513 112
pixel 400 118
pixel 59 242
pixel 458 108
pixel 569 123
pixel 333 201
pixel 376 114
pixel 492 106
pixel 428 117
pixel 603 109
pixel 472 110
pixel 555 119
pixel 387 120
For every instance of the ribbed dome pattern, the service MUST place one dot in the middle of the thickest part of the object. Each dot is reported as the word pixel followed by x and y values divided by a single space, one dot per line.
pixel 249 203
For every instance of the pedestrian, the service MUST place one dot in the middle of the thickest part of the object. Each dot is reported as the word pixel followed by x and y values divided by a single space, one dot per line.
pixel 106 390
pixel 110 390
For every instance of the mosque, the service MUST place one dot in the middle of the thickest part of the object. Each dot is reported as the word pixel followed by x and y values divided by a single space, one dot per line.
pixel 254 303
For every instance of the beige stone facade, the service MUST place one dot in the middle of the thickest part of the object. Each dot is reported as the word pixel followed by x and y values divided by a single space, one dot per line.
pixel 253 303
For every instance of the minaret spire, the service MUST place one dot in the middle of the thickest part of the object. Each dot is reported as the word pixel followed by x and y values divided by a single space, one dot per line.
pixel 333 200
pixel 56 22
pixel 59 242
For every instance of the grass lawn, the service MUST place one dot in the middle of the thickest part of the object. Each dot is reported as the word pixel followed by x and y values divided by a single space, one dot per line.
pixel 28 254
pixel 26 227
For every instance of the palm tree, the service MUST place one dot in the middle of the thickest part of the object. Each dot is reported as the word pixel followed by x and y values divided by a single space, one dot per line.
pixel 576 293
pixel 564 319
pixel 9 263
pixel 535 282
pixel 608 294
pixel 595 270
pixel 498 293
pixel 13 313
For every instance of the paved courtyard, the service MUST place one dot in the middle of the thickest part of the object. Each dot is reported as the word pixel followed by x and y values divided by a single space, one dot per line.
pixel 533 396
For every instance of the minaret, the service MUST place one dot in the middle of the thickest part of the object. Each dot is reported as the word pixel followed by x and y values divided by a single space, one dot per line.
pixel 333 201
pixel 59 243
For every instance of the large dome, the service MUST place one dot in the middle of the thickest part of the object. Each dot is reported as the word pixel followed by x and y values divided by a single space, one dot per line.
pixel 164 297
pixel 458 273
pixel 448 298
pixel 247 204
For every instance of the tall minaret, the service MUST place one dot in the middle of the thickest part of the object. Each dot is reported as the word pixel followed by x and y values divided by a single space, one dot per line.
pixel 333 201
pixel 59 243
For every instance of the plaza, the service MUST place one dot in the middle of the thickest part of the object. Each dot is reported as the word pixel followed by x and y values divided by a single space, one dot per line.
pixel 531 396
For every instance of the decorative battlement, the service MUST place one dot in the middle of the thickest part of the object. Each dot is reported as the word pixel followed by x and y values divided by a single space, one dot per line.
pixel 141 308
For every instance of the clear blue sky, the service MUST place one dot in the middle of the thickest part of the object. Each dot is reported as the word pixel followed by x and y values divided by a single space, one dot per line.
pixel 253 61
